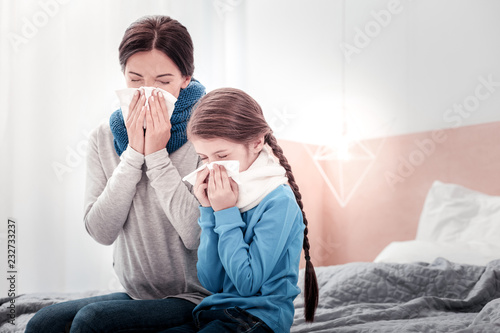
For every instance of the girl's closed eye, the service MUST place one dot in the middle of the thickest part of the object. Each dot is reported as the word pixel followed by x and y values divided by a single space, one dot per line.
pixel 221 156
pixel 164 82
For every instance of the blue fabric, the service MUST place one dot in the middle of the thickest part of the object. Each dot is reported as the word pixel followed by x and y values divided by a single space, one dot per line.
pixel 223 321
pixel 251 260
pixel 188 97
pixel 111 313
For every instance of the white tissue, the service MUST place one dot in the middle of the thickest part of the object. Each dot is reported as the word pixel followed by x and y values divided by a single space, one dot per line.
pixel 232 168
pixel 125 96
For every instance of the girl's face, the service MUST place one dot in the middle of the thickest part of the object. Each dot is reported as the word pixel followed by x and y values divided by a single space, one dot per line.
pixel 211 150
pixel 154 69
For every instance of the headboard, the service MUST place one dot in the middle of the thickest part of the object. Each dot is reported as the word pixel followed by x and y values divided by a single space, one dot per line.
pixel 355 207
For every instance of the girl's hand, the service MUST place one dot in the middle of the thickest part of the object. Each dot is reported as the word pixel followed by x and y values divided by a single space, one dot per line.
pixel 222 190
pixel 135 122
pixel 157 123
pixel 200 187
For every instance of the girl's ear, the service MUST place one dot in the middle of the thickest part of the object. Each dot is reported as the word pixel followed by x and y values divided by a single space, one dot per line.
pixel 257 145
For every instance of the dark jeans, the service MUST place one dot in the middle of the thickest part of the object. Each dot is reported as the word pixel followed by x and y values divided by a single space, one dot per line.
pixel 111 313
pixel 220 321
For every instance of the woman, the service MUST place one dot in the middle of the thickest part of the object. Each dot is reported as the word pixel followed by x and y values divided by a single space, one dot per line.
pixel 135 198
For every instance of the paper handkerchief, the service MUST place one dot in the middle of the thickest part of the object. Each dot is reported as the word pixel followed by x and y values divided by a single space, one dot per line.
pixel 125 96
pixel 232 168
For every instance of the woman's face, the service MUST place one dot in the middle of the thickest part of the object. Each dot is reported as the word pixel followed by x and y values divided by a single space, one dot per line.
pixel 218 149
pixel 154 69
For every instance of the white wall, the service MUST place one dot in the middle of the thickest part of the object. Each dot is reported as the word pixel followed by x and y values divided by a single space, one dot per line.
pixel 58 85
pixel 428 58
pixel 413 64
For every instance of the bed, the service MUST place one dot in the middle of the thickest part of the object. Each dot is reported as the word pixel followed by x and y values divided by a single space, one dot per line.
pixel 418 297
pixel 445 280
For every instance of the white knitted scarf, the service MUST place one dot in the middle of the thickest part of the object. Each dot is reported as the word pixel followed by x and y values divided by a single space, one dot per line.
pixel 261 178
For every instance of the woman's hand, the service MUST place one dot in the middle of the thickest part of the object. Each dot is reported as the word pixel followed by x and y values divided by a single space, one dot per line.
pixel 222 190
pixel 135 122
pixel 157 123
pixel 200 187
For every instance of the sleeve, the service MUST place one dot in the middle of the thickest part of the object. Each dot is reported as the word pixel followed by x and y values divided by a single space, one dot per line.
pixel 250 265
pixel 210 271
pixel 108 201
pixel 178 203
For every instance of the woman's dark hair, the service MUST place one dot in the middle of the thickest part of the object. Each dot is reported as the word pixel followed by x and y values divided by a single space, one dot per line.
pixel 233 115
pixel 161 33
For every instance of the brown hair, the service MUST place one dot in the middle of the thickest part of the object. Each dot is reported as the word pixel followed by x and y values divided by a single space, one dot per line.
pixel 233 115
pixel 161 33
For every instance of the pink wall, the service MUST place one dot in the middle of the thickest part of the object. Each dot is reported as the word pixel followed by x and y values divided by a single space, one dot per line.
pixel 377 197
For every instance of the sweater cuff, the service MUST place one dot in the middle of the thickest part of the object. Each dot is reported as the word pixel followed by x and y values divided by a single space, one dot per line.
pixel 228 219
pixel 207 218
pixel 132 157
pixel 156 159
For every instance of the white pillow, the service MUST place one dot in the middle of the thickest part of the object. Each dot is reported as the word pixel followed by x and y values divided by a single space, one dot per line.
pixel 425 251
pixel 453 213
pixel 456 223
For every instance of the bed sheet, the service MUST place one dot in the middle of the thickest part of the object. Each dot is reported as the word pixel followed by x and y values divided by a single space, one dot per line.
pixel 419 297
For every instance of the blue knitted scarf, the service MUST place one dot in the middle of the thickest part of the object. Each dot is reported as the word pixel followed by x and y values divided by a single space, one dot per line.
pixel 188 97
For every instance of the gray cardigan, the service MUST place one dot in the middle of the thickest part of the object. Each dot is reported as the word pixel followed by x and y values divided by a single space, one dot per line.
pixel 142 206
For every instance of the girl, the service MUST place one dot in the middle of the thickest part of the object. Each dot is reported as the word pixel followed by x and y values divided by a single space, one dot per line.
pixel 252 233
pixel 135 197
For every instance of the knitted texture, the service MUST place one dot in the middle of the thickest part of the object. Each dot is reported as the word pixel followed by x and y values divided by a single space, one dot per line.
pixel 188 97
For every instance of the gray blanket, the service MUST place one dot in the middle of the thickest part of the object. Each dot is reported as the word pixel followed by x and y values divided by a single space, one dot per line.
pixel 369 297
pixel 376 297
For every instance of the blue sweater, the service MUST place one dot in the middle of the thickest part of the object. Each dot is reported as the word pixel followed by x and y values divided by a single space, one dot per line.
pixel 251 259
